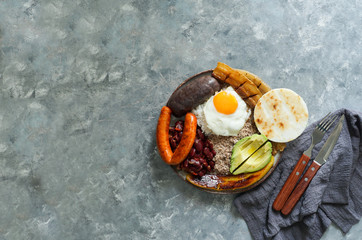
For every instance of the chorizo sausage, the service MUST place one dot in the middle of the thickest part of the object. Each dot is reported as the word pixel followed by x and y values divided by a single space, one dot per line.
pixel 192 93
pixel 163 144
pixel 187 140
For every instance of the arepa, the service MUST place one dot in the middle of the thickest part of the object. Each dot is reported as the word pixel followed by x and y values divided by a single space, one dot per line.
pixel 281 115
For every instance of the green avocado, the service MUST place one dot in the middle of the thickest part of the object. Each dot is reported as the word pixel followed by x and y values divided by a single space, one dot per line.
pixel 245 148
pixel 256 161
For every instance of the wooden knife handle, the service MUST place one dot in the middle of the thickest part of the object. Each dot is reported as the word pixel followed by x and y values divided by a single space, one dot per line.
pixel 300 188
pixel 290 183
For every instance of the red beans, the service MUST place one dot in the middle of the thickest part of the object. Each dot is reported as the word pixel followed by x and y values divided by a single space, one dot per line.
pixel 200 134
pixel 198 145
pixel 206 151
pixel 173 143
pixel 199 161
pixel 209 144
pixel 192 152
pixel 179 126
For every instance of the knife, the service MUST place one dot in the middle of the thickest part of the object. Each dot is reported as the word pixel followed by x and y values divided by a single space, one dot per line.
pixel 320 159
pixel 293 178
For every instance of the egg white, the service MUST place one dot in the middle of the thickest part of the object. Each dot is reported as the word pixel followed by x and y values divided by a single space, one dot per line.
pixel 224 124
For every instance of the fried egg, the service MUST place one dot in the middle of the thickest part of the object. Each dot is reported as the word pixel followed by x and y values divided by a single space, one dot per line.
pixel 224 114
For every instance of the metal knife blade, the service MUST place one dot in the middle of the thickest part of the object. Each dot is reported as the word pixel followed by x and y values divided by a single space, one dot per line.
pixel 328 146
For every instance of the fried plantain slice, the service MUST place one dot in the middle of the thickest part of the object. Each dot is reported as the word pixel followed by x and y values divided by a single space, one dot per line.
pixel 263 87
pixel 252 77
pixel 236 79
pixel 229 183
pixel 222 71
pixel 248 89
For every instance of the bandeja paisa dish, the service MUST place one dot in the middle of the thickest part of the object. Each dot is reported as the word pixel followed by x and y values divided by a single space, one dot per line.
pixel 224 130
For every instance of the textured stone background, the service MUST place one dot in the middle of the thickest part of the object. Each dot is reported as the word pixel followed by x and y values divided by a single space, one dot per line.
pixel 82 84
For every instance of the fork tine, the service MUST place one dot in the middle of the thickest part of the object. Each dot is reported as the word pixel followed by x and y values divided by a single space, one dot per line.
pixel 324 119
pixel 327 121
pixel 324 127
pixel 330 122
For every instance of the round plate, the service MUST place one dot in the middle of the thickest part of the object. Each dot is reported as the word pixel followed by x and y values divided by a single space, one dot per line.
pixel 226 184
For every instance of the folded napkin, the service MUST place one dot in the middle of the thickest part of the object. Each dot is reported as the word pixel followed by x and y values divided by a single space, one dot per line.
pixel 334 194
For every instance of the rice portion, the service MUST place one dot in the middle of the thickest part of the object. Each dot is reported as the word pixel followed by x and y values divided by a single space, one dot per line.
pixel 223 145
pixel 201 121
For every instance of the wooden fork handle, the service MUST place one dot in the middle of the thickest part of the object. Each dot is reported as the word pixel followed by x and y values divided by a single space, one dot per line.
pixel 300 188
pixel 290 183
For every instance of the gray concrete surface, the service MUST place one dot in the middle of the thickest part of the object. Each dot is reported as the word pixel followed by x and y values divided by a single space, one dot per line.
pixel 82 84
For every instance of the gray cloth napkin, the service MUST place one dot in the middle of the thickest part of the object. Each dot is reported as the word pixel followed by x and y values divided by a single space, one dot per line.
pixel 334 194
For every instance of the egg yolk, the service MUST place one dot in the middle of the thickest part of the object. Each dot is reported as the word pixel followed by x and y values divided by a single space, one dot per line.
pixel 225 103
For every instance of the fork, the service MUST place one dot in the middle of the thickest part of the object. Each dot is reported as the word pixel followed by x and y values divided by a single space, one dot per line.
pixel 293 178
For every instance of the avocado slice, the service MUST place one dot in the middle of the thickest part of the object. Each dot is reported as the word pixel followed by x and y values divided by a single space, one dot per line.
pixel 239 146
pixel 245 148
pixel 256 161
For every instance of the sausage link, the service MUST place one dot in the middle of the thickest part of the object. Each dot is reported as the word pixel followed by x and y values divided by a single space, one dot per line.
pixel 187 140
pixel 163 144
